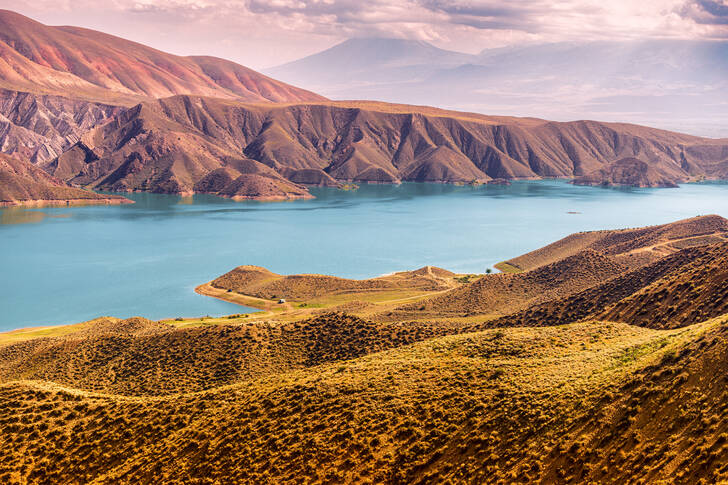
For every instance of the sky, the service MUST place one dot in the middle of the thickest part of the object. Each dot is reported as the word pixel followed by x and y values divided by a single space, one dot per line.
pixel 261 34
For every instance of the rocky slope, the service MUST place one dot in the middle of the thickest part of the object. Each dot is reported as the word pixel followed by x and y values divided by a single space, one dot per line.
pixel 168 145
pixel 91 65
pixel 22 183
pixel 40 127
pixel 628 171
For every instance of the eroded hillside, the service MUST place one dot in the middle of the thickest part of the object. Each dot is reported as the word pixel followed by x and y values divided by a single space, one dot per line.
pixel 170 144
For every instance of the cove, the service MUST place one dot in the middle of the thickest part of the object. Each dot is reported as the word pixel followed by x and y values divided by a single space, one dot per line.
pixel 70 264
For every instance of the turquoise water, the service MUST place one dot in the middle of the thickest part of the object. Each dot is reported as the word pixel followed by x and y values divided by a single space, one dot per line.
pixel 65 265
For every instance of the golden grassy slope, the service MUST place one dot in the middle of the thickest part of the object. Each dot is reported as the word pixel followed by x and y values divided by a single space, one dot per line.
pixel 585 402
pixel 261 283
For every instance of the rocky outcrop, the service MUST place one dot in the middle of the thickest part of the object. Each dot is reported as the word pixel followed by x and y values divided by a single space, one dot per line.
pixel 40 127
pixel 309 176
pixel 22 183
pixel 628 172
pixel 248 179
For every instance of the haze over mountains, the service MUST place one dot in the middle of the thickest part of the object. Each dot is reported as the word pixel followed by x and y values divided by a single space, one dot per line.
pixel 679 85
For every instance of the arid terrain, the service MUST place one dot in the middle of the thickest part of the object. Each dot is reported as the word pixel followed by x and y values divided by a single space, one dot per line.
pixel 105 113
pixel 599 358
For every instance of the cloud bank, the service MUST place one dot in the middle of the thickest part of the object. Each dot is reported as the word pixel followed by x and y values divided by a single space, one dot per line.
pixel 262 33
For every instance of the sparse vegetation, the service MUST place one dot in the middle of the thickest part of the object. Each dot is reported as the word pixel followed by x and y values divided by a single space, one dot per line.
pixel 557 393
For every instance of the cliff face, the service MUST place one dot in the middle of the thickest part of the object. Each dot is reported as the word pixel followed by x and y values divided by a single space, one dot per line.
pixel 23 183
pixel 40 127
pixel 169 145
pixel 631 172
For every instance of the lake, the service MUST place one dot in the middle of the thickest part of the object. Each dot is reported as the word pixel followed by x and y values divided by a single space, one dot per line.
pixel 70 264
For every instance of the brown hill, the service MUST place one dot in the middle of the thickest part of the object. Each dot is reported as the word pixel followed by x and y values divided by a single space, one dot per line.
pixel 628 171
pixel 175 141
pixel 85 64
pixel 507 293
pixel 631 247
pixel 24 183
pixel 695 293
pixel 261 283
pixel 595 300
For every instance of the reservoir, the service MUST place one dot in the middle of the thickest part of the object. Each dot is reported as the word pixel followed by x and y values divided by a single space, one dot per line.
pixel 70 264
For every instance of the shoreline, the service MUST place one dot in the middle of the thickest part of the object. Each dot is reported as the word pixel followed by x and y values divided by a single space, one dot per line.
pixel 65 202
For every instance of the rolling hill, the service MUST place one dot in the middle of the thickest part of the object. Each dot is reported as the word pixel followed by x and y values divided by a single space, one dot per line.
pixel 613 396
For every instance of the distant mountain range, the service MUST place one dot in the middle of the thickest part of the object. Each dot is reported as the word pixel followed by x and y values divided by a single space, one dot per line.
pixel 101 112
pixel 673 84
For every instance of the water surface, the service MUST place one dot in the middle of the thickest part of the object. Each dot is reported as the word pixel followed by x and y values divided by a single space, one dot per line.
pixel 69 264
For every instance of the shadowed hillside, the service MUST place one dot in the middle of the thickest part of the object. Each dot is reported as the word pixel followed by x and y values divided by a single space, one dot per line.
pixel 583 274
pixel 141 357
pixel 632 247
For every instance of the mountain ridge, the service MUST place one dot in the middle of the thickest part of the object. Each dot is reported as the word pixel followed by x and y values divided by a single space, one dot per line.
pixel 22 183
pixel 176 141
